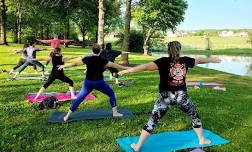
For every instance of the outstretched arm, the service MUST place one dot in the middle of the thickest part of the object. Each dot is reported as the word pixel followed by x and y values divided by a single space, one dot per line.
pixel 201 60
pixel 45 41
pixel 70 65
pixel 144 67
pixel 44 59
pixel 114 65
pixel 69 58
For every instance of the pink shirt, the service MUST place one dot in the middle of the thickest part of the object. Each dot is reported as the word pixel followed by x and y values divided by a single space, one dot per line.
pixel 55 43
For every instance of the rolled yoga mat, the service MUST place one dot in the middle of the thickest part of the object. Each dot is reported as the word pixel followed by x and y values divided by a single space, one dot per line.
pixel 59 96
pixel 57 117
pixel 171 141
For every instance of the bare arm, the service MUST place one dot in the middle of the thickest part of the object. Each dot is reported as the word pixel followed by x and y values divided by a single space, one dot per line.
pixel 114 65
pixel 45 41
pixel 69 58
pixel 201 60
pixel 44 59
pixel 144 67
pixel 70 65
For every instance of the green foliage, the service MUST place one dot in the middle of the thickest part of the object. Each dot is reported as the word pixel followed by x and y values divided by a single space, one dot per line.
pixel 136 41
pixel 250 37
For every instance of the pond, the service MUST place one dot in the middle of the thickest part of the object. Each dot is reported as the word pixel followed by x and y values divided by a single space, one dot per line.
pixel 239 65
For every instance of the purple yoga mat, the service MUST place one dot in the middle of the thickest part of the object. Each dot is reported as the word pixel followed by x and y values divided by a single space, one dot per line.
pixel 59 96
pixel 197 150
pixel 197 83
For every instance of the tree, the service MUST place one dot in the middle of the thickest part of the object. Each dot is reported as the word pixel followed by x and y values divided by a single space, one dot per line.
pixel 3 23
pixel 101 23
pixel 126 39
pixel 158 15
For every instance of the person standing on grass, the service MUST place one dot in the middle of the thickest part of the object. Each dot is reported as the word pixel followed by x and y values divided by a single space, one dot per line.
pixel 31 59
pixel 94 80
pixel 172 90
pixel 22 59
pixel 111 55
pixel 57 60
pixel 55 43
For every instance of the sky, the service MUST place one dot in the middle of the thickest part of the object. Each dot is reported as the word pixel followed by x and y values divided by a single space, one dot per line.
pixel 217 14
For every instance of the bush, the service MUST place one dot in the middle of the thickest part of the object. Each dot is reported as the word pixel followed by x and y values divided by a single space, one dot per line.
pixel 136 41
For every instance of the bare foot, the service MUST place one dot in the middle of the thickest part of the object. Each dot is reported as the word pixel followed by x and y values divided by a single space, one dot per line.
pixel 73 98
pixel 205 141
pixel 66 119
pixel 135 147
pixel 117 114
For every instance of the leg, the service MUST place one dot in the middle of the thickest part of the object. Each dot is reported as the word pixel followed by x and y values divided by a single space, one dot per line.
pixel 186 105
pixel 22 69
pixel 70 82
pixel 85 90
pixel 19 64
pixel 46 85
pixel 35 69
pixel 160 108
pixel 40 65
pixel 104 88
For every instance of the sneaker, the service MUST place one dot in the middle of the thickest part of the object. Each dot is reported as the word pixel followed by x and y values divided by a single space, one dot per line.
pixel 121 84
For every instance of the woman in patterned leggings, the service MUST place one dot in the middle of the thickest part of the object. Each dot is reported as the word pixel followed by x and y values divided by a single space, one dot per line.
pixel 172 89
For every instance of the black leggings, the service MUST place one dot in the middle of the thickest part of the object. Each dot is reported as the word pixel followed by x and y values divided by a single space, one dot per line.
pixel 21 62
pixel 60 76
pixel 164 102
pixel 114 71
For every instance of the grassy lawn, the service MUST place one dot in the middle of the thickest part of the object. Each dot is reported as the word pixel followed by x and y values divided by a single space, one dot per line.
pixel 24 128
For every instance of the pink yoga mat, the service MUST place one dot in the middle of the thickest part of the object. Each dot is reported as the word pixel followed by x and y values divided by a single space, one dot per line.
pixel 59 96
pixel 197 83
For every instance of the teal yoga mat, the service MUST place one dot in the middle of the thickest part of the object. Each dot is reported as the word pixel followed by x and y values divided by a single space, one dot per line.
pixel 171 141
pixel 57 117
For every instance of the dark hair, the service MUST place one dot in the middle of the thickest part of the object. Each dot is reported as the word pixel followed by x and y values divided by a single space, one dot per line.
pixel 102 46
pixel 26 45
pixel 56 51
pixel 31 43
pixel 174 49
pixel 108 46
pixel 96 48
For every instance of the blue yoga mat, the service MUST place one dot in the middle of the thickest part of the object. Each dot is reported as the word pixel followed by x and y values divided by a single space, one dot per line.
pixel 57 117
pixel 171 141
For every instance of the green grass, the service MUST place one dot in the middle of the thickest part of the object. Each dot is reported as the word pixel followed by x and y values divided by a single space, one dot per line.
pixel 24 128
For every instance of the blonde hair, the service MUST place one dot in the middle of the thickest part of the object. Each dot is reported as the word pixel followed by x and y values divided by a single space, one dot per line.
pixel 174 49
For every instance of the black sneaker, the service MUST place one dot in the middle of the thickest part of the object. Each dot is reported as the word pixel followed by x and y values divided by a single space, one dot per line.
pixel 121 84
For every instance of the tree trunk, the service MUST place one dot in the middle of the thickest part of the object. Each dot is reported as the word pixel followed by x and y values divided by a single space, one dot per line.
pixel 83 38
pixel 146 46
pixel 47 31
pixel 19 21
pixel 15 32
pixel 101 23
pixel 126 39
pixel 3 23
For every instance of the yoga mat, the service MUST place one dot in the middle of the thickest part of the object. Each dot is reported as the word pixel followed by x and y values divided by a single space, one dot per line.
pixel 171 141
pixel 28 78
pixel 31 73
pixel 197 83
pixel 59 96
pixel 57 117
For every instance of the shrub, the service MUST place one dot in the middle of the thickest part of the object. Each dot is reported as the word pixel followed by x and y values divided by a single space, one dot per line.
pixel 136 41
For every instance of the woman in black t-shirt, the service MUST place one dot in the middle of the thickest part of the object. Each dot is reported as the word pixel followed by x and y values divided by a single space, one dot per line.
pixel 57 60
pixel 94 80
pixel 172 89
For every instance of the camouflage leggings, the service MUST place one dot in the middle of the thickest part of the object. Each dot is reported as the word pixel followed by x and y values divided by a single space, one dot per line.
pixel 167 99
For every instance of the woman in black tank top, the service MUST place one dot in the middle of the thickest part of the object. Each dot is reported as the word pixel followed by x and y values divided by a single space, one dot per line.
pixel 57 60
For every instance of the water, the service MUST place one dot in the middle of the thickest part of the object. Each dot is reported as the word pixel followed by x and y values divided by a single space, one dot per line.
pixel 239 65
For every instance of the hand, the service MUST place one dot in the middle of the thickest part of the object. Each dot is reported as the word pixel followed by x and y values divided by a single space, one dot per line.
pixel 60 67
